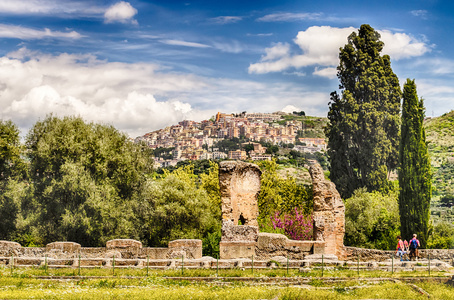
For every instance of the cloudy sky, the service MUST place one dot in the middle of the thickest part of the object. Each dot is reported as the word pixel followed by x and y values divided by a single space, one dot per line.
pixel 142 65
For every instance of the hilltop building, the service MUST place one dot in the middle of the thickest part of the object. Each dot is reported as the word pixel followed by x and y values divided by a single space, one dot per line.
pixel 195 140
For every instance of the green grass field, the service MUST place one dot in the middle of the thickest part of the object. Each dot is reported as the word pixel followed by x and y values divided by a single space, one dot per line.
pixel 39 283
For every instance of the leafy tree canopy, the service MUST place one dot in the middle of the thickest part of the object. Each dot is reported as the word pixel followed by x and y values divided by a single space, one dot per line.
pixel 372 220
pixel 84 175
pixel 363 128
pixel 415 175
pixel 11 164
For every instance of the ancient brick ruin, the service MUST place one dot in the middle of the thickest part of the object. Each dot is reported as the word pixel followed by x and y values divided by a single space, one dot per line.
pixel 240 185
pixel 329 213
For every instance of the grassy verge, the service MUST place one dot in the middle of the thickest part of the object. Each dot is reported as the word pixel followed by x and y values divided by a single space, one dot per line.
pixel 24 283
pixel 281 272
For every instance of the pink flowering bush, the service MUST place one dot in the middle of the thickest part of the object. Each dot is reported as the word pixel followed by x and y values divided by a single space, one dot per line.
pixel 295 226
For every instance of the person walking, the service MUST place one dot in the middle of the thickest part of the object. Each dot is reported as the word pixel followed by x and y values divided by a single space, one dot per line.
pixel 400 248
pixel 414 245
pixel 406 250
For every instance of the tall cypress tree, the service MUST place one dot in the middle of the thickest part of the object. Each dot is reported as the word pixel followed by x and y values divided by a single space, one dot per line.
pixel 414 171
pixel 364 121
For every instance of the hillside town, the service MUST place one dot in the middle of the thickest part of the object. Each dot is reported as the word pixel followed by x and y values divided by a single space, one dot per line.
pixel 191 140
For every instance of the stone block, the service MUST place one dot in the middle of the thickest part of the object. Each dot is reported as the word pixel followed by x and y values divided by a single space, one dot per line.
pixel 62 250
pixel 91 262
pixel 64 247
pixel 271 242
pixel 128 248
pixel 123 244
pixel 112 254
pixel 125 262
pixel 301 246
pixel 95 252
pixel 27 261
pixel 59 262
pixel 319 247
pixel 188 248
pixel 7 245
pixel 232 232
pixel 231 250
pixel 8 248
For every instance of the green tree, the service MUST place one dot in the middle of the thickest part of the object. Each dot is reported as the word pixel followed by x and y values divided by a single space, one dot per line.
pixel 248 148
pixel 371 220
pixel 13 180
pixel 415 175
pixel 363 128
pixel 86 179
pixel 12 193
pixel 11 164
pixel 442 236
pixel 174 207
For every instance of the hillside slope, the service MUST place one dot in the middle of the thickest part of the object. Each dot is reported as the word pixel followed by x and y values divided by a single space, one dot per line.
pixel 440 138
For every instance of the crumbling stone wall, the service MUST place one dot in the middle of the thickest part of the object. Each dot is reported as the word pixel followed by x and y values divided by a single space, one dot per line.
pixel 239 184
pixel 329 213
pixel 353 253
pixel 118 248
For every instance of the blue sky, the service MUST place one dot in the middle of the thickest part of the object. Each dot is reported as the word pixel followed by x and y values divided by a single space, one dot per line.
pixel 143 65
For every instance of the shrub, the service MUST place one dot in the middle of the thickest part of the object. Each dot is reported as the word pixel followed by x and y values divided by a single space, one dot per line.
pixel 296 225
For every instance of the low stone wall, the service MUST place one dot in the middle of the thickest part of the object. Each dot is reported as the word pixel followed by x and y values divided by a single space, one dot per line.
pixel 128 248
pixel 119 248
pixel 271 245
pixel 154 253
pixel 352 253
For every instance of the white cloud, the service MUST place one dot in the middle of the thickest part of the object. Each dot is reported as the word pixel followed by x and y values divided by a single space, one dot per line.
pixel 319 47
pixel 437 95
pixel 276 52
pixel 419 13
pixel 290 109
pixel 226 19
pixel 184 43
pixel 229 47
pixel 401 45
pixel 125 95
pixel 133 97
pixel 45 7
pixel 25 33
pixel 330 73
pixel 121 12
pixel 436 66
pixel 289 17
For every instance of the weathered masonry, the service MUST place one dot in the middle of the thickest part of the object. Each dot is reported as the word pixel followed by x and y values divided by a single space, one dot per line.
pixel 329 213
pixel 240 185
